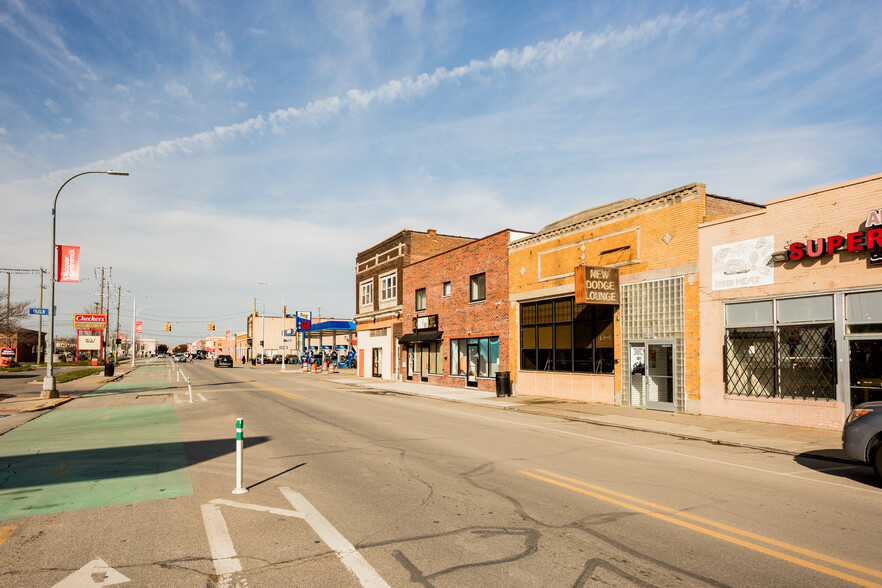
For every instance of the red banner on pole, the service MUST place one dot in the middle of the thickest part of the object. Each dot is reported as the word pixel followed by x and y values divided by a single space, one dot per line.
pixel 139 327
pixel 68 263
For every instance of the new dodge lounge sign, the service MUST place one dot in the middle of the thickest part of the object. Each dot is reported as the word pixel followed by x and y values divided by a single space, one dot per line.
pixel 596 285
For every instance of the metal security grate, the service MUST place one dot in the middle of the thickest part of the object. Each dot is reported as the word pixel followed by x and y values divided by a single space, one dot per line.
pixel 750 362
pixel 806 362
pixel 785 362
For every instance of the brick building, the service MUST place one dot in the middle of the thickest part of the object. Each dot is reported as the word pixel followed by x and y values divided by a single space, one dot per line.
pixel 455 315
pixel 378 295
pixel 791 307
pixel 25 342
pixel 631 337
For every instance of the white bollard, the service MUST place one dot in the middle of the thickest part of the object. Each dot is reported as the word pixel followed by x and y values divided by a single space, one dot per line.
pixel 239 442
pixel 190 390
pixel 178 371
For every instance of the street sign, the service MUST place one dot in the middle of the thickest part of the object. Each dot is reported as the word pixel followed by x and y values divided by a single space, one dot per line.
pixel 39 311
pixel 283 347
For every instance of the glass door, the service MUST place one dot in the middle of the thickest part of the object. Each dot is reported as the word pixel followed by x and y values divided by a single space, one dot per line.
pixel 377 362
pixel 423 350
pixel 637 371
pixel 865 359
pixel 660 376
pixel 651 367
pixel 472 373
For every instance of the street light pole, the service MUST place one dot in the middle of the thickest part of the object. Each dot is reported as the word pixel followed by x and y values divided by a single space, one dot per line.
pixel 284 309
pixel 49 389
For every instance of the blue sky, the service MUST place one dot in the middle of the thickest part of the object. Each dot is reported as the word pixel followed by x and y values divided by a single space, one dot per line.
pixel 272 141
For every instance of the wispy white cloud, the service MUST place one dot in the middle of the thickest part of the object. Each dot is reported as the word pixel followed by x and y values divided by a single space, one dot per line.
pixel 545 54
pixel 223 43
pixel 177 91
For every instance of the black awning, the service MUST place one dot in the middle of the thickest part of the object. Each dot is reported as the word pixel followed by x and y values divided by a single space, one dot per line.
pixel 421 336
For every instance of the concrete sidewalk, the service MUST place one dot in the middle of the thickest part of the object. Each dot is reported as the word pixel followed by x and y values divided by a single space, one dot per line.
pixel 822 443
pixel 29 400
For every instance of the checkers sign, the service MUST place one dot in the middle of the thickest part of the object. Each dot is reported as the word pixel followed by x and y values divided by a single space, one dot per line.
pixel 90 322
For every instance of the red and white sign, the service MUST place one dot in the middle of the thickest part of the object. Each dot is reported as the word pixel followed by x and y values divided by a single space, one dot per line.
pixel 139 327
pixel 868 239
pixel 90 322
pixel 68 263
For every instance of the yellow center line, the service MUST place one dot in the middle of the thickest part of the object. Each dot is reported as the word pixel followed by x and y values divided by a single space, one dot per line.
pixel 704 531
pixel 6 532
pixel 255 384
pixel 685 515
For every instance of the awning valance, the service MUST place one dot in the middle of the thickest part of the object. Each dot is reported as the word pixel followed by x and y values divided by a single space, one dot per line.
pixel 421 336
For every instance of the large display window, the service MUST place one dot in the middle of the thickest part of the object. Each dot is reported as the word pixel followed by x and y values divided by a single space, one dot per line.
pixel 561 336
pixel 783 348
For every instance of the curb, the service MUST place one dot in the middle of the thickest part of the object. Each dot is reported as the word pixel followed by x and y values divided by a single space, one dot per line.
pixel 58 402
pixel 683 436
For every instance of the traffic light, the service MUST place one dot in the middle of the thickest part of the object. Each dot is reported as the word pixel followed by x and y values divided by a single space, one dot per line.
pixel 168 326
pixel 210 326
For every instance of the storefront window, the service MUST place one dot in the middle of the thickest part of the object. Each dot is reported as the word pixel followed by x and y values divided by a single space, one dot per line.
pixel 487 357
pixel 780 359
pixel 558 335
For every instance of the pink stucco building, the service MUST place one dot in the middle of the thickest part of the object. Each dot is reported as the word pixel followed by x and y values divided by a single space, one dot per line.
pixel 790 307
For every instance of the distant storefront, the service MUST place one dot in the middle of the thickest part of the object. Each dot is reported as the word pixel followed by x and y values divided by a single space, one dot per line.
pixel 455 313
pixel 791 307
pixel 378 296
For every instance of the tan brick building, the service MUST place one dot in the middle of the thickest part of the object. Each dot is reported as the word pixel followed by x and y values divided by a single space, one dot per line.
pixel 791 307
pixel 642 350
pixel 378 295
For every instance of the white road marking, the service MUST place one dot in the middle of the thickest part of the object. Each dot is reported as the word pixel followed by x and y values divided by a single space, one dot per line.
pixel 657 450
pixel 226 561
pixel 94 573
pixel 177 399
pixel 204 399
pixel 346 552
pixel 257 507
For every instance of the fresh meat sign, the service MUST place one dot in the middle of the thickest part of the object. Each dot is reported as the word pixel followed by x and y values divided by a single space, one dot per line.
pixel 90 322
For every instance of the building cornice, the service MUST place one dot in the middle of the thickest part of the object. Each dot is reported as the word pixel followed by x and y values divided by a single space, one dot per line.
pixel 663 200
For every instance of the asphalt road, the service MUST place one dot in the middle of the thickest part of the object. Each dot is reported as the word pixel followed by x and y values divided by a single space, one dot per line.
pixel 348 487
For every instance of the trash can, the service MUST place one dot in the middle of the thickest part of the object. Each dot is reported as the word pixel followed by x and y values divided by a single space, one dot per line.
pixel 503 384
pixel 108 369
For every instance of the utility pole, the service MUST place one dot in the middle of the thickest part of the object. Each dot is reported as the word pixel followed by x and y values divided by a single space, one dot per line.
pixel 115 339
pixel 101 311
pixel 40 323
pixel 8 305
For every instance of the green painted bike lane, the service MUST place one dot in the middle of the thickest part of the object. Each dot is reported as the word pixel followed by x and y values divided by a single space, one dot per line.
pixel 86 458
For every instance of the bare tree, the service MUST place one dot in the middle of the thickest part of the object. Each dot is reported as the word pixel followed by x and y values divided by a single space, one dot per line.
pixel 11 316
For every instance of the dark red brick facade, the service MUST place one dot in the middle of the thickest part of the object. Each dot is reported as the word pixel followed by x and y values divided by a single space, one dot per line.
pixel 458 318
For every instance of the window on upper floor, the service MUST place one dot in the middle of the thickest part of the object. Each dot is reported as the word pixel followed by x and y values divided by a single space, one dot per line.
pixel 445 289
pixel 420 300
pixel 477 290
pixel 388 287
pixel 367 293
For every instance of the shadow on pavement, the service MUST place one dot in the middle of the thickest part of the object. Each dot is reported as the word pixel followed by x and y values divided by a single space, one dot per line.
pixel 291 469
pixel 832 462
pixel 82 465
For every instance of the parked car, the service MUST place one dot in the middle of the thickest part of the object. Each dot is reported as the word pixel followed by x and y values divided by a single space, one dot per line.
pixel 223 361
pixel 277 359
pixel 180 357
pixel 862 435
pixel 292 359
